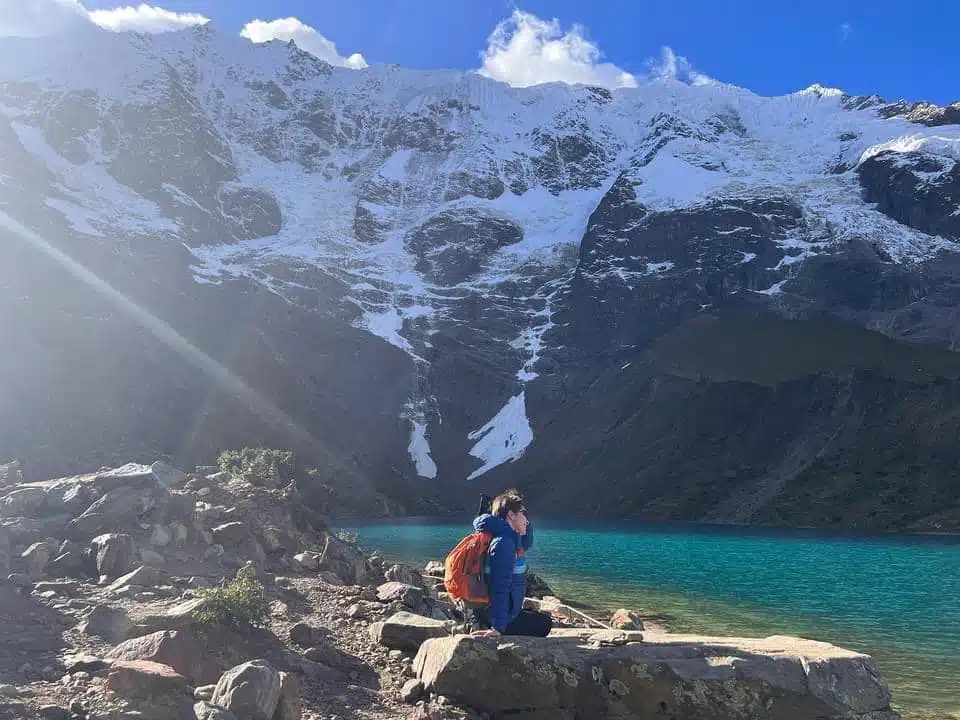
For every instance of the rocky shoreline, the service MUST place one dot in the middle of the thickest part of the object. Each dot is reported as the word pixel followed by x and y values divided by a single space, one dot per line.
pixel 146 592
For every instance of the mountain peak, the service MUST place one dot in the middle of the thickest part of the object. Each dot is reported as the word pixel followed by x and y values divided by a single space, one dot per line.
pixel 485 254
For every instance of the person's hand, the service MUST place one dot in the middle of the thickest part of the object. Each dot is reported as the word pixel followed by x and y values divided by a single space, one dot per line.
pixel 485 633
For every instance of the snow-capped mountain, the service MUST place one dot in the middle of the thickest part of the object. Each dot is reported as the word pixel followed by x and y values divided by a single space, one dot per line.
pixel 434 272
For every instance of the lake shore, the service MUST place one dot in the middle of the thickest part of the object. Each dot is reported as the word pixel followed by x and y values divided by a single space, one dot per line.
pixel 885 596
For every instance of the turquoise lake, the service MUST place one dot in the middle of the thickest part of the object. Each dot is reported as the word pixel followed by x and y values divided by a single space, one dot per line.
pixel 895 598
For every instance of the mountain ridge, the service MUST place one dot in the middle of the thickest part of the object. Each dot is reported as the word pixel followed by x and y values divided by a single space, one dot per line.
pixel 507 246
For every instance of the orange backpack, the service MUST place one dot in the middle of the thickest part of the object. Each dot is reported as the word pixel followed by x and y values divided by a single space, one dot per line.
pixel 463 575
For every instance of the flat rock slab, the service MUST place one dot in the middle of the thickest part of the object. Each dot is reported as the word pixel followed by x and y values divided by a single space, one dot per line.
pixel 144 679
pixel 687 677
pixel 406 631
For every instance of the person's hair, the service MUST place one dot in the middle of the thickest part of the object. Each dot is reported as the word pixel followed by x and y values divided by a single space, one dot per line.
pixel 507 502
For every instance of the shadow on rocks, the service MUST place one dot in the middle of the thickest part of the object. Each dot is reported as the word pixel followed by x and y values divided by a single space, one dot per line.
pixel 29 631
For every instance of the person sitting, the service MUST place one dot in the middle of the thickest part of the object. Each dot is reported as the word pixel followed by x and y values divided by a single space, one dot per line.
pixel 505 569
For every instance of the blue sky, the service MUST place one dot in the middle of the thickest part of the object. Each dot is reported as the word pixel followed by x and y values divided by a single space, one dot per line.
pixel 898 49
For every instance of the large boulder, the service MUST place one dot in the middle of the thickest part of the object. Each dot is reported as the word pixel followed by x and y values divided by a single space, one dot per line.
pixel 626 620
pixel 205 711
pixel 115 553
pixel 72 560
pixel 111 624
pixel 576 674
pixel 346 561
pixel 250 691
pixel 406 631
pixel 232 533
pixel 143 679
pixel 409 595
pixel 36 558
pixel 177 648
pixel 403 574
pixel 23 502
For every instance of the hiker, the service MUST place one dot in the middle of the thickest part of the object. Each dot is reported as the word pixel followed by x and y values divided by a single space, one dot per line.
pixel 505 569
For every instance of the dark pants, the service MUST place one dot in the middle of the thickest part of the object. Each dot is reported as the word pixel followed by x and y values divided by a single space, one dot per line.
pixel 528 623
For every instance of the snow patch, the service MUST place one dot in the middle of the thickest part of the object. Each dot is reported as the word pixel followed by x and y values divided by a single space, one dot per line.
pixel 948 147
pixel 504 439
pixel 387 325
pixel 419 449
pixel 78 217
pixel 395 168
pixel 95 197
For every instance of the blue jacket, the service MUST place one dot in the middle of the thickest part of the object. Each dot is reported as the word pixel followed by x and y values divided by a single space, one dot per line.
pixel 506 572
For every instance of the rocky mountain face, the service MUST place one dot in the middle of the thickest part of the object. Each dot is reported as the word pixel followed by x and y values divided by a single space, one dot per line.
pixel 699 303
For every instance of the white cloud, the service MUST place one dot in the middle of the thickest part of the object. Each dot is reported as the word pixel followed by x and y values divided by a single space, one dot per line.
pixel 676 67
pixel 42 18
pixel 524 50
pixel 306 38
pixel 845 30
pixel 145 18
pixel 39 18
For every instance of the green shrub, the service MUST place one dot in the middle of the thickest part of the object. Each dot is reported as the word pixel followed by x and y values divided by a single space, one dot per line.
pixel 260 462
pixel 241 605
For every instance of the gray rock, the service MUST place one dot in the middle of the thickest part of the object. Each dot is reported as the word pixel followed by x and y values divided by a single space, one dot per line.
pixel 205 711
pixel 122 502
pixel 323 653
pixel 406 631
pixel 304 635
pixel 109 623
pixel 308 560
pixel 687 677
pixel 403 574
pixel 346 561
pixel 167 476
pixel 143 576
pixel 626 620
pixel 72 560
pixel 63 588
pixel 411 691
pixel 181 616
pixel 251 690
pixel 19 580
pixel 277 541
pixel 231 534
pixel 114 554
pixel 409 595
pixel 54 712
pixel 204 692
pixel 37 557
pixel 23 502
pixel 290 706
